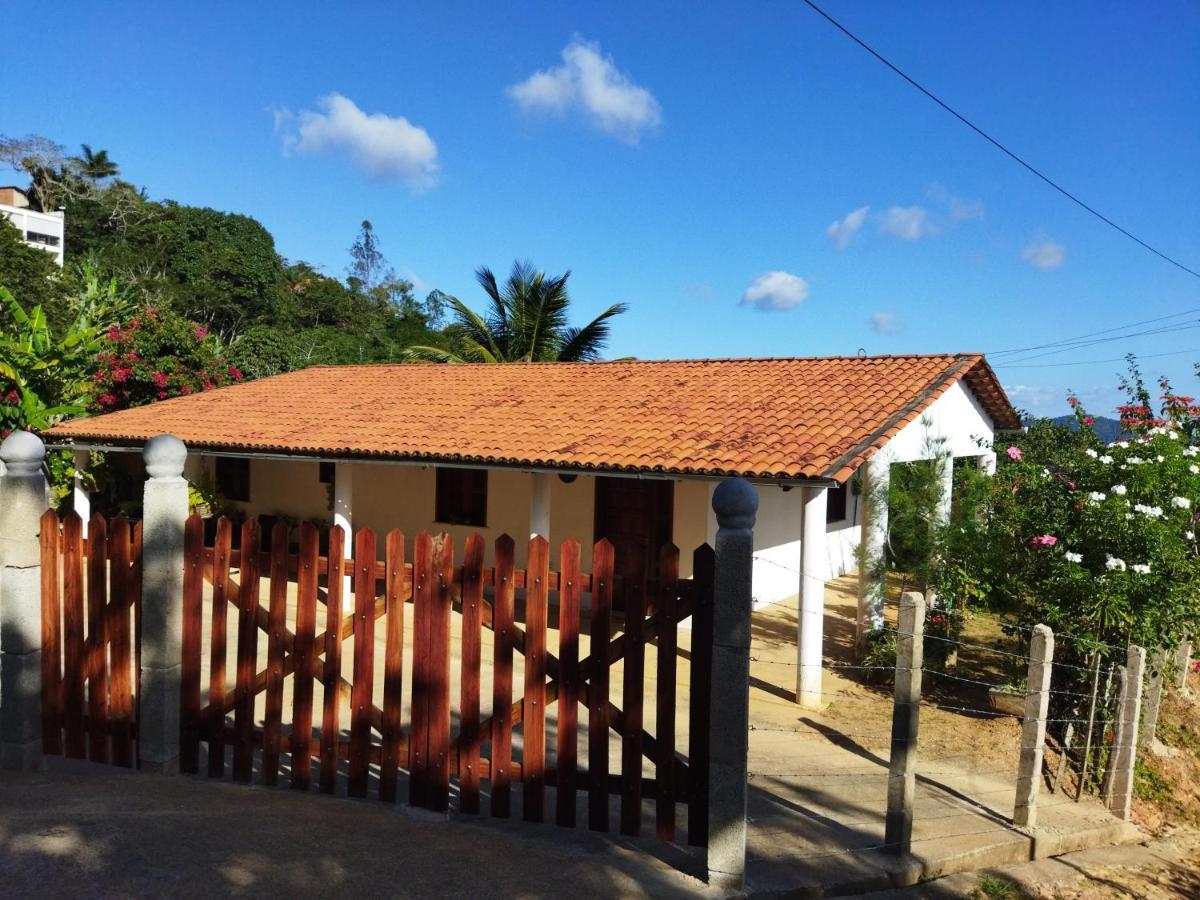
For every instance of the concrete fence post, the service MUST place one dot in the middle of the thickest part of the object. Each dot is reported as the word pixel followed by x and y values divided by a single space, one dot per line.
pixel 1033 727
pixel 735 503
pixel 25 500
pixel 1183 662
pixel 1149 729
pixel 906 716
pixel 164 514
pixel 1125 739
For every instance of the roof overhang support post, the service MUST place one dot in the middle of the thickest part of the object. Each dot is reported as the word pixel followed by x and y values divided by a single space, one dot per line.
pixel 539 505
pixel 343 517
pixel 872 572
pixel 810 636
pixel 945 467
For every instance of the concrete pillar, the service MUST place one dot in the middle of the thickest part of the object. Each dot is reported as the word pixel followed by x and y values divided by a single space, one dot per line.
pixel 25 500
pixel 1124 750
pixel 164 512
pixel 735 503
pixel 1149 729
pixel 871 574
pixel 343 517
pixel 1183 662
pixel 906 717
pixel 814 565
pixel 539 505
pixel 81 500
pixel 945 466
pixel 1033 728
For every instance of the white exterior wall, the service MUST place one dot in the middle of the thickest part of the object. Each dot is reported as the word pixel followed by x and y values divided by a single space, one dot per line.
pixel 956 416
pixel 28 220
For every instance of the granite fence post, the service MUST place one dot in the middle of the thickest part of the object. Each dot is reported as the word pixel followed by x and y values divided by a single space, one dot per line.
pixel 1125 738
pixel 1183 662
pixel 1154 695
pixel 1033 727
pixel 735 503
pixel 26 498
pixel 906 716
pixel 164 514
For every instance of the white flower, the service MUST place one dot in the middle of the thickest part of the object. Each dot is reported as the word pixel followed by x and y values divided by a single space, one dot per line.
pixel 1121 444
pixel 1097 496
pixel 1114 564
pixel 1194 469
pixel 1159 458
pixel 1073 557
pixel 1128 515
pixel 1174 435
pixel 1181 503
pixel 1191 451
pixel 1135 460
pixel 1190 535
pixel 1106 459
pixel 1092 453
pixel 1154 512
pixel 1141 568
pixel 1120 490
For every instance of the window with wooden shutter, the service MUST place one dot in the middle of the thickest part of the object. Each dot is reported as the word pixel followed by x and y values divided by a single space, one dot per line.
pixel 462 496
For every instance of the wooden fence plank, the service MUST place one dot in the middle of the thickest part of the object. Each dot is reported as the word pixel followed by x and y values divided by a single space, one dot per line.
pixel 52 724
pixel 276 632
pixel 533 759
pixel 439 673
pixel 418 783
pixel 74 645
pixel 633 683
pixel 218 638
pixel 193 617
pixel 97 639
pixel 247 655
pixel 472 637
pixel 502 626
pixel 602 578
pixel 392 730
pixel 331 680
pixel 364 661
pixel 135 598
pixel 120 607
pixel 302 689
pixel 568 691
pixel 664 772
pixel 703 561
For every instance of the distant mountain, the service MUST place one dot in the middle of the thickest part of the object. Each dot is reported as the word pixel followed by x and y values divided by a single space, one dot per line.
pixel 1108 430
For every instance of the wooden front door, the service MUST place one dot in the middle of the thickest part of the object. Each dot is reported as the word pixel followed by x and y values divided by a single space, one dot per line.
pixel 635 515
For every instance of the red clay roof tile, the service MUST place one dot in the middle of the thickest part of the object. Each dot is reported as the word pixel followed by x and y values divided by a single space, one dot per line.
pixel 818 417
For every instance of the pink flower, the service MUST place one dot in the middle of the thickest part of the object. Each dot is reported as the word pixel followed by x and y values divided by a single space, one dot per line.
pixel 1014 453
pixel 12 398
pixel 1043 540
pixel 107 400
pixel 114 333
pixel 160 379
pixel 162 395
pixel 1089 420
pixel 235 373
pixel 201 332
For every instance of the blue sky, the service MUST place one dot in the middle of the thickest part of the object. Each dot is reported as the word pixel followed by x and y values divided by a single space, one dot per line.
pixel 687 159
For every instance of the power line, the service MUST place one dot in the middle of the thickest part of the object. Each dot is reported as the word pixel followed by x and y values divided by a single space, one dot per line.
pixel 1186 312
pixel 991 140
pixel 1089 362
pixel 1076 345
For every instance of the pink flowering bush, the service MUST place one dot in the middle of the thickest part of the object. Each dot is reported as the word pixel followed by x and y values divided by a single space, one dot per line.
pixel 157 355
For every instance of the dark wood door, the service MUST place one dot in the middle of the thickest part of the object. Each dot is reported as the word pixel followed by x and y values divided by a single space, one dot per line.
pixel 635 515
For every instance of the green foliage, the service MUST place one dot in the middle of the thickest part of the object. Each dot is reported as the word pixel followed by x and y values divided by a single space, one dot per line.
pixel 992 887
pixel 1148 782
pixel 526 322
pixel 28 272
pixel 158 355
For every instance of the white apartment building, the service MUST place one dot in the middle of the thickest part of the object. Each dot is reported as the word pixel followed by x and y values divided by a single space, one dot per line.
pixel 38 229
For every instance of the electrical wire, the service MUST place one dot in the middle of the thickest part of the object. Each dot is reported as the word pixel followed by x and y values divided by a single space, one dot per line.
pixel 993 141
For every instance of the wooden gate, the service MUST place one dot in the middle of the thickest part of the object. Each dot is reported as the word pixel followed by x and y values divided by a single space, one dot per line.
pixel 91 616
pixel 306 620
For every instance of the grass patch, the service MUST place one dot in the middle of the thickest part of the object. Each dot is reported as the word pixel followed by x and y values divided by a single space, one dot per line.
pixel 991 887
pixel 1149 784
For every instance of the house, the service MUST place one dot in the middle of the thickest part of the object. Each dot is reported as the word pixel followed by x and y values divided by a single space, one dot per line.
pixel 38 229
pixel 629 451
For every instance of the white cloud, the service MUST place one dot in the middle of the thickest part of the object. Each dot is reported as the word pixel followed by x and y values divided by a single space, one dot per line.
pixel 1036 398
pixel 842 231
pixel 776 291
pixel 589 81
pixel 885 323
pixel 907 223
pixel 1044 254
pixel 381 146
pixel 958 209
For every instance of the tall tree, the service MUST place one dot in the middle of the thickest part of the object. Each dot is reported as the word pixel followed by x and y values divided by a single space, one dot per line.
pixel 96 165
pixel 526 322
pixel 368 267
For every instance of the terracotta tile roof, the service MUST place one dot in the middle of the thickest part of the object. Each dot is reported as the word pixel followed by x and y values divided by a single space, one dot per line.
pixel 817 417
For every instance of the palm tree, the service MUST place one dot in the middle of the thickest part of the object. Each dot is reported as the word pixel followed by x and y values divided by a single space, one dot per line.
pixel 526 322
pixel 96 166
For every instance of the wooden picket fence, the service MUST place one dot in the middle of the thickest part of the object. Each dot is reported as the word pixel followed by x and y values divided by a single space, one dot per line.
pixel 91 619
pixel 426 746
